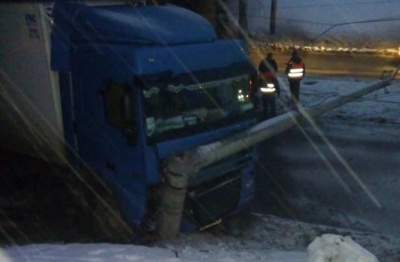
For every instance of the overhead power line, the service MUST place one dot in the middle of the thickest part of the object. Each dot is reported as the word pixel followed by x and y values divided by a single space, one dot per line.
pixel 358 22
pixel 303 21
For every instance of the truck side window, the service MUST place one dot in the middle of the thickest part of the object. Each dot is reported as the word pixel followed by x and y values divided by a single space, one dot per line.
pixel 120 108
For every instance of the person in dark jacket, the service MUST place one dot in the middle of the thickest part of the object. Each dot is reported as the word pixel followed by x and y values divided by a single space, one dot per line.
pixel 268 64
pixel 268 69
pixel 268 86
pixel 295 72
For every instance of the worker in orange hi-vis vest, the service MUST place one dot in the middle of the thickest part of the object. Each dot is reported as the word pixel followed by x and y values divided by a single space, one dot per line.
pixel 295 72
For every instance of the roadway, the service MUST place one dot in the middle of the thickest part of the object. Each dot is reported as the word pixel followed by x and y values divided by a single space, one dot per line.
pixel 330 64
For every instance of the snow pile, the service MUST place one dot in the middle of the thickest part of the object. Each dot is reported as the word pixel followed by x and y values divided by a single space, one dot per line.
pixel 4 257
pixel 335 248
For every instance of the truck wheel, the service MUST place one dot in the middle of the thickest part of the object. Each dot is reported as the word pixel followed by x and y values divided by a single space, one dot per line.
pixel 108 222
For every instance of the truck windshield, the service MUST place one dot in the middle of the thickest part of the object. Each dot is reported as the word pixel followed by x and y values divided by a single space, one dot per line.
pixel 193 104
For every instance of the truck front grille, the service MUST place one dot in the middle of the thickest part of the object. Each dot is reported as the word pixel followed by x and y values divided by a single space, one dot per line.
pixel 209 202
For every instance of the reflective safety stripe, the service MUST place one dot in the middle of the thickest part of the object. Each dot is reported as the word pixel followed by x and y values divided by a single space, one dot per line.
pixel 267 89
pixel 296 73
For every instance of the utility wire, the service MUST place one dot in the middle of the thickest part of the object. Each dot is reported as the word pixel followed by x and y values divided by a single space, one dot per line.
pixel 357 22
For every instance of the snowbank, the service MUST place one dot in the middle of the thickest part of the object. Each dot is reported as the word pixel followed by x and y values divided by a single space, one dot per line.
pixel 4 257
pixel 327 248
pixel 336 248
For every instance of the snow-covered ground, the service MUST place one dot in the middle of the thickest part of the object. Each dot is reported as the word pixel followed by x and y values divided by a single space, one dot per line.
pixel 260 238
pixel 253 236
pixel 343 170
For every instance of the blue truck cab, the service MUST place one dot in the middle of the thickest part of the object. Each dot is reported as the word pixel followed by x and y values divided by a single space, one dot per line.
pixel 139 83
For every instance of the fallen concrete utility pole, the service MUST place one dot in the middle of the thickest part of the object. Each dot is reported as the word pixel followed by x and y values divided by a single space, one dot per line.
pixel 180 168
